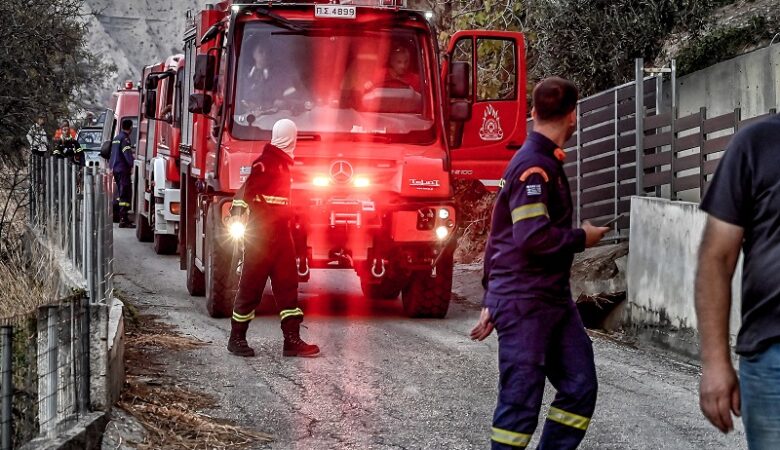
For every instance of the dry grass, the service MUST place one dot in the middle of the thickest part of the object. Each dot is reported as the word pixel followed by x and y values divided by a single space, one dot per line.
pixel 26 284
pixel 169 411
pixel 475 206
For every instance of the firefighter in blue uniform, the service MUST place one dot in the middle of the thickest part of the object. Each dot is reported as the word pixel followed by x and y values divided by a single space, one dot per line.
pixel 261 211
pixel 527 296
pixel 121 163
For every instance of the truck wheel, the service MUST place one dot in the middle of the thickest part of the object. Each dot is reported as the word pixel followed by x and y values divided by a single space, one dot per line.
pixel 384 290
pixel 388 288
pixel 165 244
pixel 143 232
pixel 424 296
pixel 196 282
pixel 221 280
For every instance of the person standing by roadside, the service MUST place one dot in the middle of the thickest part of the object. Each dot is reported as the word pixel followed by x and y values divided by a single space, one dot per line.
pixel 743 212
pixel 121 163
pixel 528 301
pixel 36 137
pixel 262 205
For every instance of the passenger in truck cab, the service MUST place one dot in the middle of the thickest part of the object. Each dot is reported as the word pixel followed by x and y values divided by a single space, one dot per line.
pixel 266 85
pixel 398 73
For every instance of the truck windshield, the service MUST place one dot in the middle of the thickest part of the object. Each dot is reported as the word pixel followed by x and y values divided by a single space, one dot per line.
pixel 344 81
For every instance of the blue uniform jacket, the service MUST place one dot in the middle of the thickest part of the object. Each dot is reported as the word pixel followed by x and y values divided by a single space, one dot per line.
pixel 121 153
pixel 532 243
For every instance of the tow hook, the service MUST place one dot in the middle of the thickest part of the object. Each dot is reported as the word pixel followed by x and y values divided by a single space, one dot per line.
pixel 305 266
pixel 374 272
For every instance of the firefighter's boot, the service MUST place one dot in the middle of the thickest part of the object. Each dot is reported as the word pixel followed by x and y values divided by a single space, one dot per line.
pixel 237 344
pixel 293 344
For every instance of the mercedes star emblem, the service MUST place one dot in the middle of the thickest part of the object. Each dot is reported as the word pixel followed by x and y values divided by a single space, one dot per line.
pixel 341 171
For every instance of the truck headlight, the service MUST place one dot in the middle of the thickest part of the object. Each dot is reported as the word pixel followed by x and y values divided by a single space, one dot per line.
pixel 442 233
pixel 320 181
pixel 237 230
pixel 362 182
pixel 444 213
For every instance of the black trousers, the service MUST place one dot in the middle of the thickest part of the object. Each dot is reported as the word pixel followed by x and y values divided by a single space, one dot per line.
pixel 269 252
pixel 124 193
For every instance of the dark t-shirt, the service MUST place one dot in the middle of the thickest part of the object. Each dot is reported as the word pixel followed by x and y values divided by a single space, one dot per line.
pixel 746 192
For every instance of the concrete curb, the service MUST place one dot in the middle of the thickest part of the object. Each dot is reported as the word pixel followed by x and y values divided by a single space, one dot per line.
pixel 83 434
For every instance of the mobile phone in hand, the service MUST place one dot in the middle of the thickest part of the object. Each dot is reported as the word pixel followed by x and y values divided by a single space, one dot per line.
pixel 612 221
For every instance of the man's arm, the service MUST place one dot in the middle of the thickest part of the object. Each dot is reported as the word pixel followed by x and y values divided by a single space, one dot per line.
pixel 718 257
pixel 127 152
pixel 532 229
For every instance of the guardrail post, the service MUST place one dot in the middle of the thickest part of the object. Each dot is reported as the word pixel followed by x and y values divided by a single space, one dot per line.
pixel 579 166
pixel 640 126
pixel 61 202
pixel 52 377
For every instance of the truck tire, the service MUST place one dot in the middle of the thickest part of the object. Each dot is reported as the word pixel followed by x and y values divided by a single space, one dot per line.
pixel 387 289
pixel 425 296
pixel 196 281
pixel 220 265
pixel 143 232
pixel 165 244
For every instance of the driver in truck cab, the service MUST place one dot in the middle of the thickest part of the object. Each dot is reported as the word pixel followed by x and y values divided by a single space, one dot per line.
pixel 398 73
pixel 266 86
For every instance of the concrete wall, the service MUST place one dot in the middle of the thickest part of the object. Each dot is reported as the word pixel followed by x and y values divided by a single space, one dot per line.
pixel 750 82
pixel 663 249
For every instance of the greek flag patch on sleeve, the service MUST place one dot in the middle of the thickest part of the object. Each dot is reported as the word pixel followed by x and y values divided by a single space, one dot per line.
pixel 533 190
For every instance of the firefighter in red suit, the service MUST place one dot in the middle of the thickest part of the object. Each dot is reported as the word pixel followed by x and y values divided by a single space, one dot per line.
pixel 262 205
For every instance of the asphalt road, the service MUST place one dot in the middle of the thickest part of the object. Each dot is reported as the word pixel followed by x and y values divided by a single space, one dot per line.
pixel 388 382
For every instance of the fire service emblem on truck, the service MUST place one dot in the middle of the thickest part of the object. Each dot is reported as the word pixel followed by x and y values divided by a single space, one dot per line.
pixel 341 171
pixel 491 125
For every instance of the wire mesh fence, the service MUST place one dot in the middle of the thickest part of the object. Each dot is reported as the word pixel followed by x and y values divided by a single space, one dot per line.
pixel 46 353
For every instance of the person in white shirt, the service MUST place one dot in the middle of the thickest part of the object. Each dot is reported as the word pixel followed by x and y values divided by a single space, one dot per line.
pixel 36 137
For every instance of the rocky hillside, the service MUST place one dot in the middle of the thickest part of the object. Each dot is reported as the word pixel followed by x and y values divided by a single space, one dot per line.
pixel 133 33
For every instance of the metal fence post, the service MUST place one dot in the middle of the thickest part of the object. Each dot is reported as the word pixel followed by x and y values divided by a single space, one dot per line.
pixel 74 213
pixel 84 385
pixel 100 239
pixel 673 150
pixel 49 194
pixel 52 378
pixel 7 388
pixel 61 202
pixel 89 230
pixel 617 160
pixel 579 166
pixel 640 126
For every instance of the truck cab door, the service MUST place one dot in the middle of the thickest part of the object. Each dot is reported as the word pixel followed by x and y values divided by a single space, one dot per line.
pixel 487 120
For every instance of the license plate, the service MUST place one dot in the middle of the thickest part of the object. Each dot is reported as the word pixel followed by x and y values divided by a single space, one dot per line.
pixel 335 11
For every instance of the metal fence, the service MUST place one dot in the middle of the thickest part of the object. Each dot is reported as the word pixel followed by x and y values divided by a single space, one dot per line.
pixel 46 356
pixel 616 152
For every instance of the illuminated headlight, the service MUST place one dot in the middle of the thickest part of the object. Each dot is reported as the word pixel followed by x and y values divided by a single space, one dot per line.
pixel 444 214
pixel 442 232
pixel 362 182
pixel 237 230
pixel 320 181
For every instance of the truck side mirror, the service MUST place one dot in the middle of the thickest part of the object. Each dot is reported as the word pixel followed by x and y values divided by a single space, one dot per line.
pixel 460 110
pixel 459 80
pixel 151 82
pixel 205 68
pixel 200 104
pixel 150 104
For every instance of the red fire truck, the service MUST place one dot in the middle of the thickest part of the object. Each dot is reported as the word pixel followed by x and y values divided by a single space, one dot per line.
pixel 122 105
pixel 156 173
pixel 383 127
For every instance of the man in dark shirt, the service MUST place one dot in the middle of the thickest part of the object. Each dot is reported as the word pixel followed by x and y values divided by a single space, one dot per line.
pixel 743 207
pixel 528 299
